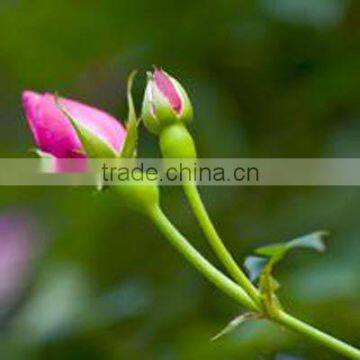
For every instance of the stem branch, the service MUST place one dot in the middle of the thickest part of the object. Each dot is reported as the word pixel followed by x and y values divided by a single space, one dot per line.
pixel 215 241
pixel 201 264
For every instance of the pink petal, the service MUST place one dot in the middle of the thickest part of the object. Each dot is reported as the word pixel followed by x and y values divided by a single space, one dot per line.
pixel 53 133
pixel 99 122
pixel 165 85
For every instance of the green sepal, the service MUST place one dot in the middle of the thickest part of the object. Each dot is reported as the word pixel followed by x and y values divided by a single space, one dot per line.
pixel 156 109
pixel 187 113
pixel 41 154
pixel 94 146
pixel 47 164
pixel 234 323
pixel 131 141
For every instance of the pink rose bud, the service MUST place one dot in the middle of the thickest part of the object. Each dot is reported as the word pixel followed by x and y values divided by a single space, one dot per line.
pixel 55 133
pixel 165 102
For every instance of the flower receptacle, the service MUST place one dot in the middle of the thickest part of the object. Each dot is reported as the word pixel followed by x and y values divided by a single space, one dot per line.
pixel 140 195
pixel 177 142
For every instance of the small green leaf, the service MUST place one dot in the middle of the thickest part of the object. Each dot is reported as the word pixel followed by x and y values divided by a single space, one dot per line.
pixel 310 241
pixel 234 323
pixel 130 145
pixel 272 250
pixel 254 266
pixel 94 146
pixel 259 267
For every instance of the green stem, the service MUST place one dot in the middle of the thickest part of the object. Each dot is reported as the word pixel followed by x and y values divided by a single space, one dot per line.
pixel 317 335
pixel 237 293
pixel 201 264
pixel 215 241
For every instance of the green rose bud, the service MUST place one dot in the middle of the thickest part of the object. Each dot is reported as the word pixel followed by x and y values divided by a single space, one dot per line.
pixel 165 102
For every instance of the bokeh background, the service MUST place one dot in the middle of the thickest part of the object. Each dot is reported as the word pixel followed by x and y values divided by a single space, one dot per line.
pixel 82 277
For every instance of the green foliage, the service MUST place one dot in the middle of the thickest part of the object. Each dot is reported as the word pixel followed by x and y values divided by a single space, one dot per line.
pixel 275 252
pixel 311 241
pixel 262 267
pixel 254 266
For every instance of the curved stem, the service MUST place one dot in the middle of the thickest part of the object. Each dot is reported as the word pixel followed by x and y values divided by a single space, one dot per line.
pixel 201 264
pixel 215 241
pixel 317 335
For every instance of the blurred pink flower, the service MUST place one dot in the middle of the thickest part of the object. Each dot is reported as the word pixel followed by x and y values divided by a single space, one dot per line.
pixel 19 245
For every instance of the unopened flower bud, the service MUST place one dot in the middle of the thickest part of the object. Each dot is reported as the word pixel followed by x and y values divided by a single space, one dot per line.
pixel 165 102
pixel 59 137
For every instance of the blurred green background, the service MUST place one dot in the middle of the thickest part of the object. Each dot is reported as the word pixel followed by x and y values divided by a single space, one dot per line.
pixel 268 78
